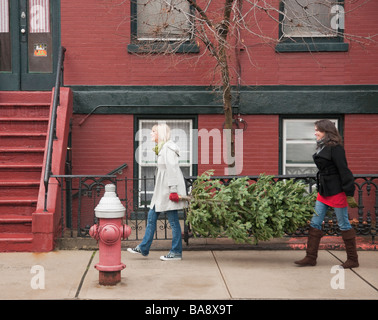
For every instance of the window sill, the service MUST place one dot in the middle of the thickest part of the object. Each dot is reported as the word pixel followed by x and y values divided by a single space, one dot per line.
pixel 312 47
pixel 162 47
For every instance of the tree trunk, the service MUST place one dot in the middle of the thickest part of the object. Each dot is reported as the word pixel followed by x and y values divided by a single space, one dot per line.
pixel 222 30
pixel 227 107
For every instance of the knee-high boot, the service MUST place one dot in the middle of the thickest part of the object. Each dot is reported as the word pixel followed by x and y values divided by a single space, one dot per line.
pixel 313 240
pixel 349 238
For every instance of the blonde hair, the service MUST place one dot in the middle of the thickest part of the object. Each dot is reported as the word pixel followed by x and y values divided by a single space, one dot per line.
pixel 163 131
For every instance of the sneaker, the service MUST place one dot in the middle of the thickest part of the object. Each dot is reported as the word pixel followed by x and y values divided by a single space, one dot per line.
pixel 134 250
pixel 171 256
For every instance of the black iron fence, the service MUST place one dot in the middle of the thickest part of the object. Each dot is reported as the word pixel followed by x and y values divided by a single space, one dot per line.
pixel 80 195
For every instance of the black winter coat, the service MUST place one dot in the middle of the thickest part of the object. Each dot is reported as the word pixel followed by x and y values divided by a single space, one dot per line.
pixel 334 175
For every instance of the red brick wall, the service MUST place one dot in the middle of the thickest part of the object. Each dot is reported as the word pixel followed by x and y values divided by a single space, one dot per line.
pixel 260 144
pixel 361 143
pixel 102 143
pixel 96 34
pixel 361 147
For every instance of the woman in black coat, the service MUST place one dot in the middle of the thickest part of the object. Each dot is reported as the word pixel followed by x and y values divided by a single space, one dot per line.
pixel 335 183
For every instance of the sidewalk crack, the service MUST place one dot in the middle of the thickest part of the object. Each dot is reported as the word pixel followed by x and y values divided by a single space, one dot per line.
pixel 221 273
pixel 84 274
pixel 358 275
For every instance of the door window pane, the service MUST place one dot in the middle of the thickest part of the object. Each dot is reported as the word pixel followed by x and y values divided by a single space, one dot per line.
pixel 5 39
pixel 39 37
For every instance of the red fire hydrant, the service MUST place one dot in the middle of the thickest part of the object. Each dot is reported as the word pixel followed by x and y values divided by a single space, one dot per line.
pixel 109 231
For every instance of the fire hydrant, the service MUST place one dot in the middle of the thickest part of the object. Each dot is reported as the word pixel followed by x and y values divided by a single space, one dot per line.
pixel 108 232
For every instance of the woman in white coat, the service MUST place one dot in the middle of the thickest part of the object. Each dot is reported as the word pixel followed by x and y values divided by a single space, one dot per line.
pixel 169 184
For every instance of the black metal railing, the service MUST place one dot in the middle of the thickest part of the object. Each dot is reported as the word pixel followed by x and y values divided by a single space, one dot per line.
pixel 80 195
pixel 52 128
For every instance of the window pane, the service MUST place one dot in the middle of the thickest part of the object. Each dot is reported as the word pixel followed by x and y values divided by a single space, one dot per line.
pixel 146 185
pixel 186 171
pixel 5 40
pixel 39 37
pixel 180 134
pixel 162 20
pixel 300 130
pixel 146 154
pixel 300 153
pixel 149 173
pixel 308 18
pixel 301 170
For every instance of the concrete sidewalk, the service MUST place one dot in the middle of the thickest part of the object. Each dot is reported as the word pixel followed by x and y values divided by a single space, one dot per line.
pixel 201 275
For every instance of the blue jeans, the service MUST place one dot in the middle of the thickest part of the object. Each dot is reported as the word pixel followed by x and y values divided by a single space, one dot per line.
pixel 321 210
pixel 173 219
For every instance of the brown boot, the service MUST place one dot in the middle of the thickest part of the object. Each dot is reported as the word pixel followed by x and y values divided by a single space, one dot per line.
pixel 349 237
pixel 313 240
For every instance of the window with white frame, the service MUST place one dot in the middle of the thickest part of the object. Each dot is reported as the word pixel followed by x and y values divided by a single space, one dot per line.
pixel 181 134
pixel 298 146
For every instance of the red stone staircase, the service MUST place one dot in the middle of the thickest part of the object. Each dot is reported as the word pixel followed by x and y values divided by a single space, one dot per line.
pixel 24 121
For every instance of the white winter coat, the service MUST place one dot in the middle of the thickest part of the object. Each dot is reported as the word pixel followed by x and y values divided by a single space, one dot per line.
pixel 169 178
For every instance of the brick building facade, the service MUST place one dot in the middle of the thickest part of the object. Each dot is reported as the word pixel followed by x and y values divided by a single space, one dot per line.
pixel 282 88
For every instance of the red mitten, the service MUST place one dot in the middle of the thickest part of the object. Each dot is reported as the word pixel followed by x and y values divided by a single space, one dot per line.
pixel 174 197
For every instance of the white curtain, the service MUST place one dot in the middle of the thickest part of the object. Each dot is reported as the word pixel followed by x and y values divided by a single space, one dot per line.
pixel 4 16
pixel 39 16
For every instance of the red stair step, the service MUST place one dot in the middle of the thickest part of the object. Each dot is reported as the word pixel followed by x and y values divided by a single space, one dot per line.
pixel 23 124
pixel 23 134
pixel 20 206
pixel 19 155
pixel 20 237
pixel 15 224
pixel 10 242
pixel 18 202
pixel 23 139
pixel 25 167
pixel 21 172
pixel 17 97
pixel 19 184
pixel 18 188
pixel 24 109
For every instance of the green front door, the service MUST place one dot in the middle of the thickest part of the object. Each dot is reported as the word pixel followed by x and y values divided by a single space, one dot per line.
pixel 29 44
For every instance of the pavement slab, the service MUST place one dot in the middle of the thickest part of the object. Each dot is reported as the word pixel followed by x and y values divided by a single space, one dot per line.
pixel 195 277
pixel 273 275
pixel 48 275
pixel 368 269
